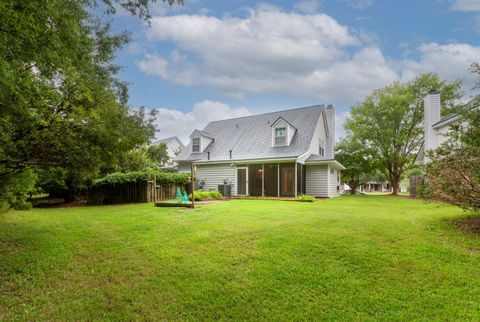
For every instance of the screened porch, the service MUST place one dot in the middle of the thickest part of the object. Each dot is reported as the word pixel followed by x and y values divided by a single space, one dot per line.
pixel 271 179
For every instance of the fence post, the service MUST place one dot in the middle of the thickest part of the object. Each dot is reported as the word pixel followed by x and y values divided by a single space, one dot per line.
pixel 193 185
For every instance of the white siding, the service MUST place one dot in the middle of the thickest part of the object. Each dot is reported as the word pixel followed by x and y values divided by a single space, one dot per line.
pixel 215 174
pixel 317 182
pixel 319 133
pixel 204 142
pixel 290 131
pixel 333 182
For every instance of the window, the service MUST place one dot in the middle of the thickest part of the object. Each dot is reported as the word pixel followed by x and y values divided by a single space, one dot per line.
pixel 281 136
pixel 196 145
pixel 321 149
pixel 332 171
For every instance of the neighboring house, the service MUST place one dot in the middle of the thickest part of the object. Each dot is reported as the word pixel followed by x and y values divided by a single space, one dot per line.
pixel 285 153
pixel 436 129
pixel 435 126
pixel 372 186
pixel 174 147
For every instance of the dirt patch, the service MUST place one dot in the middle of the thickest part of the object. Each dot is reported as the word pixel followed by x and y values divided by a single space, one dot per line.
pixel 471 225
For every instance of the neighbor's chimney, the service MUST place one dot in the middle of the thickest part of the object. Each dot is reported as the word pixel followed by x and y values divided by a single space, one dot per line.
pixel 431 116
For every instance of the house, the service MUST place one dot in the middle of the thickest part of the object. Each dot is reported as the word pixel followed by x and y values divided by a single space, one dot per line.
pixel 435 126
pixel 174 146
pixel 282 154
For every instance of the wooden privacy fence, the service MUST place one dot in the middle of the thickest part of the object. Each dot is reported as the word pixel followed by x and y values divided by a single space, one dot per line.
pixel 132 192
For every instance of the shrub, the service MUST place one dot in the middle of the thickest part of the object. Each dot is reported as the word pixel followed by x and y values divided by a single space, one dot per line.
pixel 205 195
pixel 16 188
pixel 305 198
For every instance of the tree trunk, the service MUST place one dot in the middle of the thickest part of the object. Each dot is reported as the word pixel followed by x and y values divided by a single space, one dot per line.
pixel 395 182
pixel 353 186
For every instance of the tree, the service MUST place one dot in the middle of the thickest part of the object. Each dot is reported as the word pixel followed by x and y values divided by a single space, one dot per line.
pixel 353 155
pixel 60 102
pixel 158 154
pixel 390 121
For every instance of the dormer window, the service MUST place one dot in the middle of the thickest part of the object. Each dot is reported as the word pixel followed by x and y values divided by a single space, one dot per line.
pixel 196 145
pixel 282 132
pixel 281 136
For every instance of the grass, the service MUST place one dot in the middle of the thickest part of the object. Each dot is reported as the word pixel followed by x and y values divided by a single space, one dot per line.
pixel 349 258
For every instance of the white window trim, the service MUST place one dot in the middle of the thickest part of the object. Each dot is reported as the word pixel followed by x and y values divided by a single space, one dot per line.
pixel 284 128
pixel 199 145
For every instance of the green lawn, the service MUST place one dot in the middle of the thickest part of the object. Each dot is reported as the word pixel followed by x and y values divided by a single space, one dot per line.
pixel 349 258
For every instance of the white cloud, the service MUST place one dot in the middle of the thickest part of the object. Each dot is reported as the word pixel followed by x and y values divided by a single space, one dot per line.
pixel 466 5
pixel 273 51
pixel 340 119
pixel 175 68
pixel 359 4
pixel 450 61
pixel 309 6
pixel 172 122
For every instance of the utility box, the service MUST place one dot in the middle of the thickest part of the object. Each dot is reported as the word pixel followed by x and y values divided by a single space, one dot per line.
pixel 225 189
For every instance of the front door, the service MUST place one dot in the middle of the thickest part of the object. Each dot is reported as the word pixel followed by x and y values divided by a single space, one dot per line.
pixel 242 181
pixel 287 180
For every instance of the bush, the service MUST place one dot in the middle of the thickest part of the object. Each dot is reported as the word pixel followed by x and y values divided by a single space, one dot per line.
pixel 305 198
pixel 205 195
pixel 15 190
pixel 162 178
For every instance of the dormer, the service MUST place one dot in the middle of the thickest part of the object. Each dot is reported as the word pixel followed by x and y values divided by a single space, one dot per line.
pixel 199 140
pixel 282 132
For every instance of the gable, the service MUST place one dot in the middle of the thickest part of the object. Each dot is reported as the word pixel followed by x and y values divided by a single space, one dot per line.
pixel 250 137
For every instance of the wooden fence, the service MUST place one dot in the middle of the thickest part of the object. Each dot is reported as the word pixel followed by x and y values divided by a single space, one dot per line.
pixel 414 182
pixel 135 192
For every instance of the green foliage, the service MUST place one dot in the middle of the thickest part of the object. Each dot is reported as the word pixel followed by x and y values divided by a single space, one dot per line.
pixel 305 198
pixel 119 178
pixel 357 159
pixel 390 121
pixel 158 154
pixel 206 195
pixel 61 104
pixel 16 189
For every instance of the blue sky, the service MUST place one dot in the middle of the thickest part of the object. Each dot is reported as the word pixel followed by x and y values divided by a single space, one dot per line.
pixel 210 60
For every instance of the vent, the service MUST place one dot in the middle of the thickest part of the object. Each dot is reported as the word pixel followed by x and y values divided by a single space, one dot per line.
pixel 237 125
pixel 230 153
pixel 208 155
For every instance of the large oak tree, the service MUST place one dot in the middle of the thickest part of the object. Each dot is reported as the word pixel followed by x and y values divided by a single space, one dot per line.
pixel 390 121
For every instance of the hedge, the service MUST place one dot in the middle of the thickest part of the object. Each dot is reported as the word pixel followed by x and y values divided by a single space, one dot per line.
pixel 119 178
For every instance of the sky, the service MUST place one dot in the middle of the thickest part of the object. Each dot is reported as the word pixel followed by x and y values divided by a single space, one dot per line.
pixel 211 60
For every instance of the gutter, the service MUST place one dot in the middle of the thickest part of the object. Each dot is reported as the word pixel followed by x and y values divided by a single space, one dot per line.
pixel 277 160
pixel 332 162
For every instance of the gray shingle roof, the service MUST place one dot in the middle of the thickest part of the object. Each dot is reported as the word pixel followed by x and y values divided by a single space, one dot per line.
pixel 250 137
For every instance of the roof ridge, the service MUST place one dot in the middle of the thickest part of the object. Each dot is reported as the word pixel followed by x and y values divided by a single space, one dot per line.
pixel 287 110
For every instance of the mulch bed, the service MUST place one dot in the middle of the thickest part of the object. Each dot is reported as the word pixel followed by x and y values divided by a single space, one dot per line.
pixel 471 225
